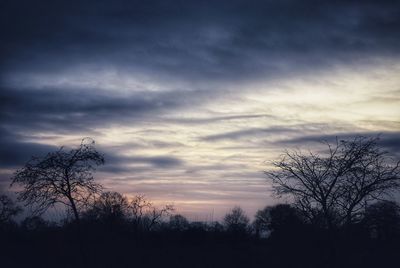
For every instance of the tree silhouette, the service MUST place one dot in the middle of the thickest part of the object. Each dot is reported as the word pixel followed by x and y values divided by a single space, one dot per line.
pixel 281 217
pixel 7 209
pixel 109 207
pixel 236 221
pixel 139 207
pixel 155 215
pixel 383 220
pixel 145 215
pixel 336 185
pixel 60 177
pixel 178 223
pixel 284 217
pixel 34 223
pixel 262 221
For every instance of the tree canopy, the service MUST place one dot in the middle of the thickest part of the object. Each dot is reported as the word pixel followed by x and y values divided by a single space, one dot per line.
pixel 60 177
pixel 334 187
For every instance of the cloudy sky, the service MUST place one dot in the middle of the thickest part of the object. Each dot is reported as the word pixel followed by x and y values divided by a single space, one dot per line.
pixel 188 100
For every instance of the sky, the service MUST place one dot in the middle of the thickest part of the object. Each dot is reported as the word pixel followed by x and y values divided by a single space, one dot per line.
pixel 190 100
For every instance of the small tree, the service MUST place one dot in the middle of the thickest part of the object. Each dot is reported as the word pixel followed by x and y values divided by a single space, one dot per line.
pixel 145 215
pixel 281 217
pixel 236 221
pixel 109 207
pixel 337 185
pixel 262 220
pixel 60 177
pixel 178 223
pixel 156 215
pixel 7 209
pixel 382 220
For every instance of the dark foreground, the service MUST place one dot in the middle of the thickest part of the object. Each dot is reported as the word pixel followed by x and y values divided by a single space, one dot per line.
pixel 94 246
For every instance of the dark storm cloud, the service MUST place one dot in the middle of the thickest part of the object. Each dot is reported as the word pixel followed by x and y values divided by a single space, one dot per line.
pixel 263 132
pixel 82 110
pixel 233 135
pixel 196 39
pixel 216 118
pixel 157 161
pixel 179 40
pixel 71 110
pixel 14 152
pixel 117 163
pixel 389 140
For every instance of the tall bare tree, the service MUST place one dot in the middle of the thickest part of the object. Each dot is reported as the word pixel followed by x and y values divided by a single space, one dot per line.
pixel 60 177
pixel 333 188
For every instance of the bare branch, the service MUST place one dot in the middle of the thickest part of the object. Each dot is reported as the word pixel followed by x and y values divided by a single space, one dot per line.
pixel 337 184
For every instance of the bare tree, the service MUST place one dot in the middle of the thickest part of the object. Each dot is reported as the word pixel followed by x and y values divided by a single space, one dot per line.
pixel 262 220
pixel 155 215
pixel 110 207
pixel 145 215
pixel 139 207
pixel 178 223
pixel 333 188
pixel 60 177
pixel 236 220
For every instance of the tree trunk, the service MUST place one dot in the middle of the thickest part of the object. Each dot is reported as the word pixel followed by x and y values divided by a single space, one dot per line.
pixel 74 209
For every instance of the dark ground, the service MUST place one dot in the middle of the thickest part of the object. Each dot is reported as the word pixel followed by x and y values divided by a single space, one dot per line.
pixel 102 247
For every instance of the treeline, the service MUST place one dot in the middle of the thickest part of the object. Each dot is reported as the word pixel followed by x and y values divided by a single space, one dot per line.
pixel 115 232
pixel 112 211
pixel 341 214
